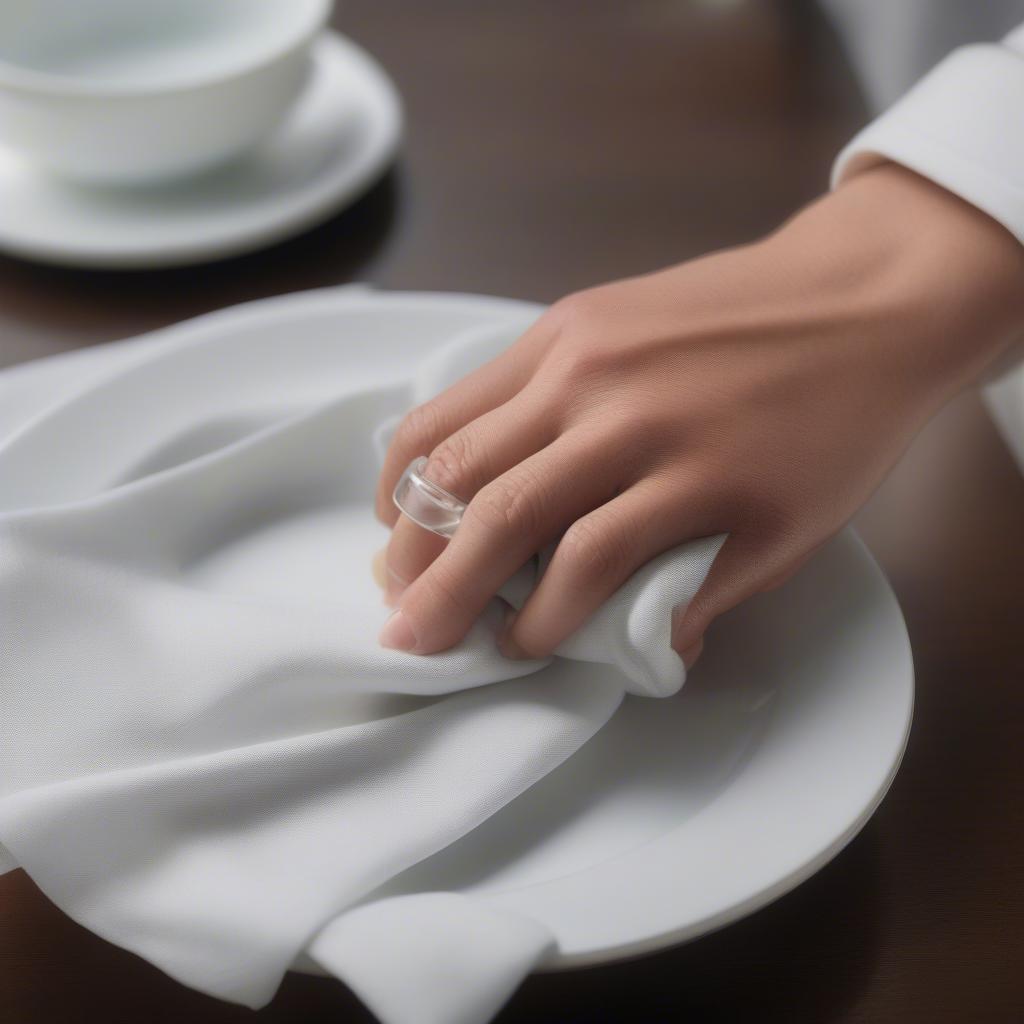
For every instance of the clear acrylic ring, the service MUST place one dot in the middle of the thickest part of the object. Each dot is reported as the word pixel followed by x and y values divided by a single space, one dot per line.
pixel 427 504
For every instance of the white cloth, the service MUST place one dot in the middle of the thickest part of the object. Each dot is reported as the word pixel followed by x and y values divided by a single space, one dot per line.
pixel 962 126
pixel 221 782
pixel 955 117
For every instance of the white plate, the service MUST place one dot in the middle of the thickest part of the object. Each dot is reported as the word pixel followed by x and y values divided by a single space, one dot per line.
pixel 340 137
pixel 681 815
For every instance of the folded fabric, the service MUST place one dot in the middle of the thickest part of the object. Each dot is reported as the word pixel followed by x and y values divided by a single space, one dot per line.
pixel 220 781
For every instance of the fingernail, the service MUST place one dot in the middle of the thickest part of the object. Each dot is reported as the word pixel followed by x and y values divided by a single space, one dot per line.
pixel 397 634
pixel 396 587
pixel 379 568
pixel 507 645
pixel 387 579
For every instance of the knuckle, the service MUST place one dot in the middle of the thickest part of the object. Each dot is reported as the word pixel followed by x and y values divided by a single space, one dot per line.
pixel 419 426
pixel 769 514
pixel 578 318
pixel 595 548
pixel 511 506
pixel 588 359
pixel 455 463
pixel 633 439
pixel 577 373
pixel 574 310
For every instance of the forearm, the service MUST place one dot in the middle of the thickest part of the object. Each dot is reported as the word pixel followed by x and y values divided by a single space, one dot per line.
pixel 910 250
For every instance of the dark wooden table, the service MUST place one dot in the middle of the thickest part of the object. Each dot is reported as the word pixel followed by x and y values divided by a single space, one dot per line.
pixel 553 145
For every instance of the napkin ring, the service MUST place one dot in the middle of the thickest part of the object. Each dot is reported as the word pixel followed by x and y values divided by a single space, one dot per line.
pixel 427 504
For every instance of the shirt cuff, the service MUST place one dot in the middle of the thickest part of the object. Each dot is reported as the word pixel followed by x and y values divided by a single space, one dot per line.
pixel 962 126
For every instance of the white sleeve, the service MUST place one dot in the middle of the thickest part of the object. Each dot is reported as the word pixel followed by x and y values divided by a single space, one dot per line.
pixel 962 126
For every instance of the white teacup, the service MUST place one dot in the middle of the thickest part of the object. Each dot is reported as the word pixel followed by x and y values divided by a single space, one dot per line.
pixel 139 90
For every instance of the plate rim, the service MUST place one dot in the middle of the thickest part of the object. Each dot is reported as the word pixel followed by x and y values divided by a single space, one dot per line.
pixel 327 299
pixel 666 939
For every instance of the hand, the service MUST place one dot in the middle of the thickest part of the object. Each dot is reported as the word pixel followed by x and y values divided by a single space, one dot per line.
pixel 762 392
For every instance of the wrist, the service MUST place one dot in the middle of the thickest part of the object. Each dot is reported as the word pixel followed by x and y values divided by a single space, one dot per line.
pixel 945 275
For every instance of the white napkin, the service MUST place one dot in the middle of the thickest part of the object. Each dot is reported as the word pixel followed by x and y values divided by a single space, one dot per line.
pixel 220 782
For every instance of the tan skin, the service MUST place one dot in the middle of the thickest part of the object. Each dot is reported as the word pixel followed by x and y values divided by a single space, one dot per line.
pixel 763 392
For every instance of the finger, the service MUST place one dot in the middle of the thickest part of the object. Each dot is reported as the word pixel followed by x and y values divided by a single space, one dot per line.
pixel 746 565
pixel 378 567
pixel 508 521
pixel 463 463
pixel 410 551
pixel 492 444
pixel 692 653
pixel 791 568
pixel 598 553
pixel 426 426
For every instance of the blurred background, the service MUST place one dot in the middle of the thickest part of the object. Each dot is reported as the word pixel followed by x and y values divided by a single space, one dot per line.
pixel 548 146
pixel 551 146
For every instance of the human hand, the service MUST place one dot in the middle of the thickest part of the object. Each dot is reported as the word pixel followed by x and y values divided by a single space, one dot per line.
pixel 762 392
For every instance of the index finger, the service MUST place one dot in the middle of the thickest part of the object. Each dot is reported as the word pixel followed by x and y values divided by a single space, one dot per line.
pixel 426 426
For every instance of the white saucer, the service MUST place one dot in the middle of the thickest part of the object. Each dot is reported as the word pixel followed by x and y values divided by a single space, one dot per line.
pixel 338 140
pixel 678 817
